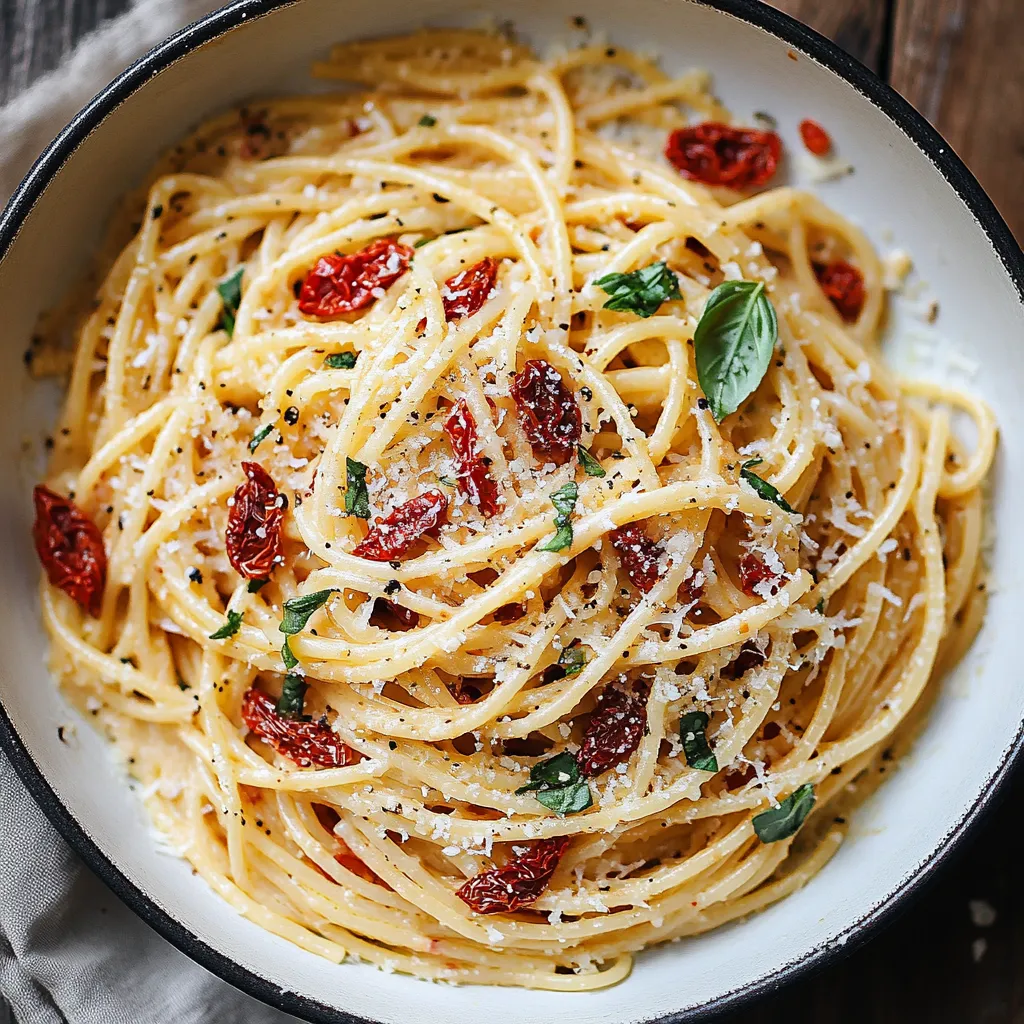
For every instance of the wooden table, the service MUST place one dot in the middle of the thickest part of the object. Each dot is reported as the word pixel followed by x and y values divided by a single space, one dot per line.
pixel 961 63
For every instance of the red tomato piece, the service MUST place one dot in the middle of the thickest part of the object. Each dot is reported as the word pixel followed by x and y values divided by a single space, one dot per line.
pixel 344 284
pixel 815 138
pixel 467 291
pixel 389 538
pixel 547 412
pixel 475 480
pixel 305 743
pixel 615 730
pixel 843 284
pixel 718 154
pixel 70 546
pixel 253 537
pixel 753 572
pixel 640 556
pixel 518 883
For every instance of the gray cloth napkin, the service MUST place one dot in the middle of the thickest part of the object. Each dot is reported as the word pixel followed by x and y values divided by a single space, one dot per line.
pixel 70 951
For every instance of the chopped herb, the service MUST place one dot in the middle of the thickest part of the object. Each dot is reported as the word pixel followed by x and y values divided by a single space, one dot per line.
pixel 765 120
pixel 640 291
pixel 427 121
pixel 733 344
pixel 820 606
pixel 341 360
pixel 298 610
pixel 558 785
pixel 255 586
pixel 763 488
pixel 448 481
pixel 692 733
pixel 357 498
pixel 230 627
pixel 293 697
pixel 287 656
pixel 590 465
pixel 195 575
pixel 259 437
pixel 572 661
pixel 783 821
pixel 231 295
pixel 564 500
pixel 420 242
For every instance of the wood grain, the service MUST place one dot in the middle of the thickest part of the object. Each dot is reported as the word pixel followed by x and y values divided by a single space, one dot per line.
pixel 961 63
pixel 858 26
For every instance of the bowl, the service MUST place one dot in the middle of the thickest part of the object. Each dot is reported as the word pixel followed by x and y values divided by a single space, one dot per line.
pixel 908 189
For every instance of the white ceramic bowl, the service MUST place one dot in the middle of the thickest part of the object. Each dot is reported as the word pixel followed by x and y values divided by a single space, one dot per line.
pixel 908 189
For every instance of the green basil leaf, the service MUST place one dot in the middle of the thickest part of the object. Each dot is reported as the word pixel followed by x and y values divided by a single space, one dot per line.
pixel 230 627
pixel 564 500
pixel 692 732
pixel 287 656
pixel 293 697
pixel 231 295
pixel 573 660
pixel 640 291
pixel 357 498
pixel 733 344
pixel 341 360
pixel 427 121
pixel 783 821
pixel 298 610
pixel 255 586
pixel 590 465
pixel 567 799
pixel 557 771
pixel 259 437
pixel 763 488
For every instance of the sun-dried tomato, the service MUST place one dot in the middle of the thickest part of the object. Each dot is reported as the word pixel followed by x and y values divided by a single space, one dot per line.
pixel 389 615
pixel 475 481
pixel 70 546
pixel 754 572
pixel 253 537
pixel 389 538
pixel 518 883
pixel 305 743
pixel 843 284
pixel 510 612
pixel 735 777
pixel 815 138
pixel 616 727
pixel 547 411
pixel 468 290
pixel 344 284
pixel 690 590
pixel 640 556
pixel 750 656
pixel 718 154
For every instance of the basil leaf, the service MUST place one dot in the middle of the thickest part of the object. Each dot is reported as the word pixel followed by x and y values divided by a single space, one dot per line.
pixel 692 732
pixel 357 498
pixel 287 656
pixel 259 437
pixel 298 610
pixel 231 295
pixel 640 291
pixel 572 660
pixel 293 697
pixel 783 821
pixel 590 465
pixel 230 627
pixel 341 360
pixel 733 344
pixel 560 770
pixel 568 799
pixel 255 586
pixel 763 488
pixel 427 121
pixel 564 500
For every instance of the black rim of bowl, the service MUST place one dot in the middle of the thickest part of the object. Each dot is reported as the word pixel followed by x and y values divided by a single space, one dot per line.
pixel 808 42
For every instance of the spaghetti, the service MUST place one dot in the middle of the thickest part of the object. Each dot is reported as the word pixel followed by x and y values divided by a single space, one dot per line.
pixel 497 548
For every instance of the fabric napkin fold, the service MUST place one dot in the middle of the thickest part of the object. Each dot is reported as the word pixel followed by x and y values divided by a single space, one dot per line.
pixel 70 951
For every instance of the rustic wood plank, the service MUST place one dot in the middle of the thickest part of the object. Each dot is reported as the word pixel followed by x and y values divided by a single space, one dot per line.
pixel 960 63
pixel 858 26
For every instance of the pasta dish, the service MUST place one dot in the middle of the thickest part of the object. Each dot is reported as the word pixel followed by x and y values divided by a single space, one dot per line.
pixel 481 518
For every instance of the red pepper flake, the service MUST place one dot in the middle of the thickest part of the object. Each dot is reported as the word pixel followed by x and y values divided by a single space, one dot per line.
pixel 843 284
pixel 389 538
pixel 253 537
pixel 718 154
pixel 547 412
pixel 753 572
pixel 467 291
pixel 70 546
pixel 815 138
pixel 305 743
pixel 640 556
pixel 344 284
pixel 616 727
pixel 518 883
pixel 474 479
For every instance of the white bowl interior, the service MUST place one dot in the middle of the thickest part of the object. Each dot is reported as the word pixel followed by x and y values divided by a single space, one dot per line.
pixel 896 195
